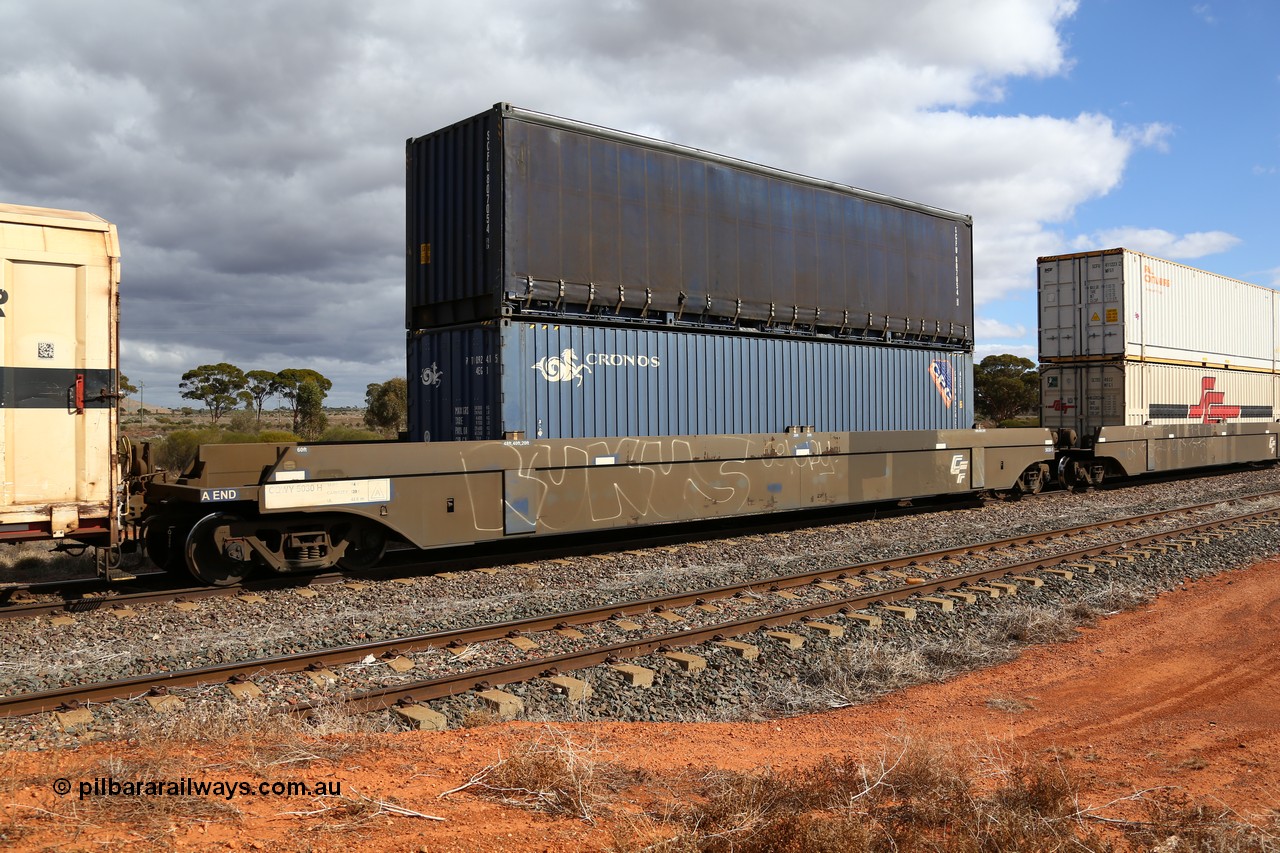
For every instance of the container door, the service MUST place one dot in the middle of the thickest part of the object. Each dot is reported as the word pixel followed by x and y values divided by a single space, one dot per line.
pixel 57 337
pixel 1059 309
pixel 1061 399
pixel 1102 311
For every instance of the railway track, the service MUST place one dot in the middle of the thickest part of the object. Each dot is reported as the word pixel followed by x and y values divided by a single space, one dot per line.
pixel 161 587
pixel 83 595
pixel 855 594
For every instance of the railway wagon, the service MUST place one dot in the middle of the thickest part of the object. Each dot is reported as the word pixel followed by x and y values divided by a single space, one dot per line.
pixel 514 378
pixel 1148 365
pixel 543 253
pixel 518 213
pixel 59 280
pixel 294 507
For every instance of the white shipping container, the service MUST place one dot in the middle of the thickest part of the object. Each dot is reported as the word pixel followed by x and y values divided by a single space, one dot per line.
pixel 59 274
pixel 1120 304
pixel 1086 396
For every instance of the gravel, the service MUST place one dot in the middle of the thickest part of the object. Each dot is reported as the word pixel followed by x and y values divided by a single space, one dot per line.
pixel 98 646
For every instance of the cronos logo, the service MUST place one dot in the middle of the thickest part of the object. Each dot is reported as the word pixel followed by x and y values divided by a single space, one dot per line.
pixel 562 368
pixel 567 367
pixel 431 376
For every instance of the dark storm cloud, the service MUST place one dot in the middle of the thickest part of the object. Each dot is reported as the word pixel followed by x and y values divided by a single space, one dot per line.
pixel 252 153
pixel 259 203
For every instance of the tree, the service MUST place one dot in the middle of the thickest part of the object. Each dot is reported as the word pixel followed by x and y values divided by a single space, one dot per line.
pixel 261 385
pixel 291 380
pixel 312 420
pixel 387 405
pixel 1006 386
pixel 124 386
pixel 218 386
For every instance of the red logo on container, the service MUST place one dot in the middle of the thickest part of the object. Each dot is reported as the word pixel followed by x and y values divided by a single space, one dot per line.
pixel 1210 408
pixel 1059 406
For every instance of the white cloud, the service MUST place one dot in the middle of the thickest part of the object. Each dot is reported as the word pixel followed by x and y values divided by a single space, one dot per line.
pixel 1158 242
pixel 1155 135
pixel 988 328
pixel 1028 351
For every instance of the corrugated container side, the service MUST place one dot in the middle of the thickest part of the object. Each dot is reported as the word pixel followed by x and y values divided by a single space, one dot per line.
pixel 559 380
pixel 1182 314
pixel 609 227
pixel 1084 397
pixel 453 220
pixel 1122 304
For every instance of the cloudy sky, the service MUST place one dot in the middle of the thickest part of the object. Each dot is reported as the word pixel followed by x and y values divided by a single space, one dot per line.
pixel 252 153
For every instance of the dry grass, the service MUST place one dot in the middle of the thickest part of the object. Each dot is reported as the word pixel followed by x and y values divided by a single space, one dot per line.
pixel 34 562
pixel 553 775
pixel 875 664
pixel 266 747
pixel 77 821
pixel 1172 823
pixel 1010 705
pixel 922 797
pixel 217 722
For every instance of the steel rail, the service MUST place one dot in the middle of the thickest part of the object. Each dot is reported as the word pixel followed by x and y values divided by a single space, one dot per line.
pixel 378 698
pixel 21 609
pixel 135 686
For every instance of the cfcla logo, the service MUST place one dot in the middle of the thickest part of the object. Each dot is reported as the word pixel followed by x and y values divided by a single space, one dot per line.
pixel 944 380
pixel 959 467
pixel 431 376
pixel 1210 408
pixel 1059 406
pixel 562 368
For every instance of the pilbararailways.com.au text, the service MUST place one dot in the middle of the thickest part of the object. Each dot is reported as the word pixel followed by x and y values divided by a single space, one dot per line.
pixel 107 786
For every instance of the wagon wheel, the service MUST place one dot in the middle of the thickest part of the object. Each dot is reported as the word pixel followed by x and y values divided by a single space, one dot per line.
pixel 163 538
pixel 214 556
pixel 366 543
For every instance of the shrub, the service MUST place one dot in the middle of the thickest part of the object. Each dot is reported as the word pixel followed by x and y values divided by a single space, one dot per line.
pixel 179 447
pixel 349 433
pixel 242 422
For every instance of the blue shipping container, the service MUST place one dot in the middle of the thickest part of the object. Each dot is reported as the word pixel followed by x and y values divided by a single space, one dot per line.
pixel 558 380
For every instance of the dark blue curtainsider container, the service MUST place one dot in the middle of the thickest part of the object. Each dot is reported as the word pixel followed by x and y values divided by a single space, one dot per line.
pixel 518 213
pixel 519 379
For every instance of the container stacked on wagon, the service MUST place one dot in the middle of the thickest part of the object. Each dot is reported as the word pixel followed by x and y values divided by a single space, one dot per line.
pixel 569 281
pixel 59 312
pixel 1184 358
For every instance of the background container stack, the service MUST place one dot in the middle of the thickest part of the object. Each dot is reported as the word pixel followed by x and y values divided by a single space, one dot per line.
pixel 60 277
pixel 1128 339
pixel 565 280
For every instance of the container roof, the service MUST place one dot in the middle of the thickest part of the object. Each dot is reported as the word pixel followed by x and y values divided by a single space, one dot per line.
pixel 27 215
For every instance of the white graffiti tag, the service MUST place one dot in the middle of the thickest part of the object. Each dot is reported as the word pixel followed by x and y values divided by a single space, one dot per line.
pixel 431 376
pixel 562 368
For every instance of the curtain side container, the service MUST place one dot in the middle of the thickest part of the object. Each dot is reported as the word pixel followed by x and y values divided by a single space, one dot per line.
pixel 518 213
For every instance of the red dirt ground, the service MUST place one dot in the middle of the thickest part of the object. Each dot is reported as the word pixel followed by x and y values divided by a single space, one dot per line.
pixel 1183 692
